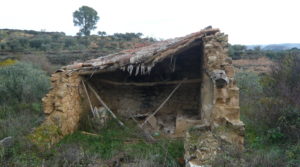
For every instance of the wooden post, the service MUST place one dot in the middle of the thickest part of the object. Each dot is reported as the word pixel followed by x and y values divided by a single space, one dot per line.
pixel 87 94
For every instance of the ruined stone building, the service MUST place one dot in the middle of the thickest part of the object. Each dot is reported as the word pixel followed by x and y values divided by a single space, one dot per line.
pixel 182 87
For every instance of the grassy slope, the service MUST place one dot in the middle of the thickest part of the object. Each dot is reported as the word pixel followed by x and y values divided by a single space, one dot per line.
pixel 61 49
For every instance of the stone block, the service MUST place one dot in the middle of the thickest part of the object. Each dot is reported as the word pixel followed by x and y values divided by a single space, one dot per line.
pixel 234 92
pixel 229 70
pixel 183 123
pixel 233 101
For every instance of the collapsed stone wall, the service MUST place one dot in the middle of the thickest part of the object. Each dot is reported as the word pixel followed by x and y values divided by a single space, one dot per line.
pixel 63 108
pixel 220 107
pixel 226 110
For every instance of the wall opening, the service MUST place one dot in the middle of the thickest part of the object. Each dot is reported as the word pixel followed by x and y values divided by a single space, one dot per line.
pixel 138 96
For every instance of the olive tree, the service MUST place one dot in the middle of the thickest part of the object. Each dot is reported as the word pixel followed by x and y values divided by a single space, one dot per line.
pixel 86 18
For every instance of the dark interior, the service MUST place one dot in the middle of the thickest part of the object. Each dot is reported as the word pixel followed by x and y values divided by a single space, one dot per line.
pixel 186 64
pixel 130 100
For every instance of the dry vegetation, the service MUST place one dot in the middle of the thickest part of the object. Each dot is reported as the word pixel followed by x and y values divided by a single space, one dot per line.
pixel 259 65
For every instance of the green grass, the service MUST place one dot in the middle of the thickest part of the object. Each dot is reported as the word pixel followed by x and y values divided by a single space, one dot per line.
pixel 108 143
pixel 115 140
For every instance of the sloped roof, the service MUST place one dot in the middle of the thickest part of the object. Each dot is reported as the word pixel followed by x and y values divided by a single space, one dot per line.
pixel 143 58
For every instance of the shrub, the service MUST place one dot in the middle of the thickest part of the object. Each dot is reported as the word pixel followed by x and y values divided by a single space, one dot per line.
pixel 16 45
pixel 22 83
pixel 42 42
pixel 19 119
pixel 281 104
pixel 237 51
pixel 40 61
pixel 251 92
pixel 69 43
pixel 267 158
pixel 250 86
pixel 270 104
pixel 7 62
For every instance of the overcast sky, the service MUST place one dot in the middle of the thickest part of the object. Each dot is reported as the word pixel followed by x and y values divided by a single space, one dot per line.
pixel 245 21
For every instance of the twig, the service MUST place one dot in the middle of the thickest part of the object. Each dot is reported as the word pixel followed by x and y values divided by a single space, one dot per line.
pixel 163 103
pixel 88 133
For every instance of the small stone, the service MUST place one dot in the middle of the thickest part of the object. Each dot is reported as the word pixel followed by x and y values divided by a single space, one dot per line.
pixel 212 59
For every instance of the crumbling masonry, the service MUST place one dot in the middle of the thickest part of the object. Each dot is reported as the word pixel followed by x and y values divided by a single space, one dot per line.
pixel 203 109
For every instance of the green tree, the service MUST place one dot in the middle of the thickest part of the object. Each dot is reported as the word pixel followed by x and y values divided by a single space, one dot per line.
pixel 102 33
pixel 86 18
pixel 237 51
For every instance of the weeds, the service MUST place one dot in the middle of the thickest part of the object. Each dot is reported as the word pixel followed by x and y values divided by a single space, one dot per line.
pixel 113 141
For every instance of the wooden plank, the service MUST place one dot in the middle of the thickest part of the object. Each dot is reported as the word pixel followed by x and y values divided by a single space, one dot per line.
pixel 147 135
pixel 164 102
pixel 149 83
pixel 88 133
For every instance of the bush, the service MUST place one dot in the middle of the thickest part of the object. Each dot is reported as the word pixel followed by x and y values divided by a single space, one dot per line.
pixel 40 61
pixel 270 104
pixel 267 158
pixel 251 91
pixel 237 51
pixel 21 87
pixel 7 62
pixel 22 83
pixel 281 104
pixel 250 87
pixel 18 120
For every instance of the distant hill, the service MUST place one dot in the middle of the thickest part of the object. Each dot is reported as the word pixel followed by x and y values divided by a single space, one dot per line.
pixel 276 47
pixel 285 46
pixel 61 49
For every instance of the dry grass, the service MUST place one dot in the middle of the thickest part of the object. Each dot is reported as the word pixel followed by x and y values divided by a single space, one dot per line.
pixel 259 65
